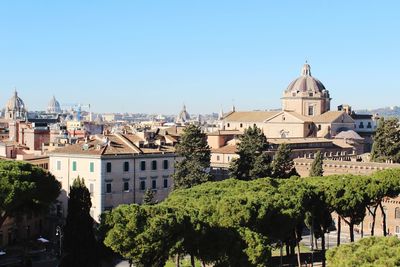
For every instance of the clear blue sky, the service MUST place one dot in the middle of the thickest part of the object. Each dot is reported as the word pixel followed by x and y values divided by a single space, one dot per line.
pixel 151 56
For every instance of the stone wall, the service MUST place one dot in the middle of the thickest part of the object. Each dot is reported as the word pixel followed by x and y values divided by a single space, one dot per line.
pixel 303 167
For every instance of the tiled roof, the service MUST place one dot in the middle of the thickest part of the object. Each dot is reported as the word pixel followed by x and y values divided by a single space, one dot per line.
pixel 226 132
pixel 331 116
pixel 229 149
pixel 250 116
pixel 115 144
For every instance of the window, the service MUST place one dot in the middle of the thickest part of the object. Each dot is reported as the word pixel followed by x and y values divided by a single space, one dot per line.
pixel 369 125
pixel 109 167
pixel 58 165
pixel 361 126
pixel 319 127
pixel 154 184
pixel 241 125
pixel 91 168
pixel 108 188
pixel 91 188
pixel 165 164
pixel 217 158
pixel 397 229
pixel 74 166
pixel 126 186
pixel 143 165
pixel 310 110
pixel 154 165
pixel 165 182
pixel 310 94
pixel 126 166
pixel 397 213
pixel 142 185
pixel 229 125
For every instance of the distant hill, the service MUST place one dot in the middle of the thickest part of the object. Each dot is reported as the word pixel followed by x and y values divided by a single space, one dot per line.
pixel 385 112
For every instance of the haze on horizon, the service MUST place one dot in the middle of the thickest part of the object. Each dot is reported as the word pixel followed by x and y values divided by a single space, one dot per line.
pixel 153 56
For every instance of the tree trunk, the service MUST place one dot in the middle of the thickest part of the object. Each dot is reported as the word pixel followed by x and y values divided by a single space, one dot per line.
pixel 323 248
pixel 3 218
pixel 298 249
pixel 384 219
pixel 316 243
pixel 351 227
pixel 362 229
pixel 178 262
pixel 287 250
pixel 373 220
pixel 339 228
pixel 192 260
pixel 203 264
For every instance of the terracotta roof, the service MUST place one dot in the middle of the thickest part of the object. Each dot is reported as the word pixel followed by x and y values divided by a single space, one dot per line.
pixel 115 144
pixel 298 140
pixel 299 116
pixel 331 116
pixel 229 149
pixel 250 116
pixel 226 132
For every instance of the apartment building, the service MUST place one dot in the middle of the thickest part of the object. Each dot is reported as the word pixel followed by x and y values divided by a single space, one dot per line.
pixel 117 168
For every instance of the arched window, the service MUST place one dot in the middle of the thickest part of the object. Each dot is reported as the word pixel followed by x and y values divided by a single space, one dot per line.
pixel 397 213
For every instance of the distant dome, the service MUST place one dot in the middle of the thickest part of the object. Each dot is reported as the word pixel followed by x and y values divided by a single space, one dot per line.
pixel 15 108
pixel 54 106
pixel 305 83
pixel 183 116
pixel 15 103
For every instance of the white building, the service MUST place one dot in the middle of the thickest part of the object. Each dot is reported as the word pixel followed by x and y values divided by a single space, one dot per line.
pixel 117 170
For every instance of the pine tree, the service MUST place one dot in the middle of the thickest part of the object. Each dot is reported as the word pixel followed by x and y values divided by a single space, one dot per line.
pixel 148 197
pixel 79 241
pixel 195 153
pixel 282 164
pixel 252 162
pixel 317 165
pixel 386 141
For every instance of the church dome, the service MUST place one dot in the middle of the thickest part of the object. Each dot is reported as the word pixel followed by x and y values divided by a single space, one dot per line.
pixel 15 108
pixel 15 103
pixel 305 83
pixel 183 116
pixel 54 106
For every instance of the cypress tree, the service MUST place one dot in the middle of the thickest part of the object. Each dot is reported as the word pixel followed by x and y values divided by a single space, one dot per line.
pixel 317 165
pixel 282 164
pixel 79 241
pixel 195 153
pixel 252 162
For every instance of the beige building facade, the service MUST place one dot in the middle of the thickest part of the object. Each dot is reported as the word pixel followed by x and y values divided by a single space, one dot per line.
pixel 116 171
pixel 306 112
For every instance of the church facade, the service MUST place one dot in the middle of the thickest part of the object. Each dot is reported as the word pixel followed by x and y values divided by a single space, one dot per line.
pixel 306 112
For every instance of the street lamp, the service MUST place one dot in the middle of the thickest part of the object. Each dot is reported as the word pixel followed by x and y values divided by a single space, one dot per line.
pixel 59 234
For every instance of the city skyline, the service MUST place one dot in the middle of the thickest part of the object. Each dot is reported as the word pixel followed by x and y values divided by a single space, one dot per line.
pixel 153 57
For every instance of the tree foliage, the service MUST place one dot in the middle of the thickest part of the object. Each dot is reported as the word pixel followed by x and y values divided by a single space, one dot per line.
pixel 148 197
pixel 317 165
pixel 252 162
pixel 373 251
pixel 282 165
pixel 386 145
pixel 196 154
pixel 25 188
pixel 237 223
pixel 79 240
